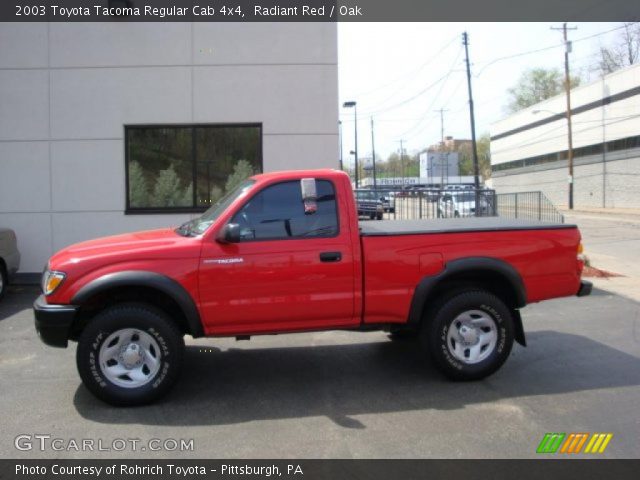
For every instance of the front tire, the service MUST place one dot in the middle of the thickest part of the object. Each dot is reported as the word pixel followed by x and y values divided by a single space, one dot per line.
pixel 130 354
pixel 470 335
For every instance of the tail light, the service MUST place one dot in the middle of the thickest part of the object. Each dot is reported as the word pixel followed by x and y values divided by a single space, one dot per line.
pixel 581 259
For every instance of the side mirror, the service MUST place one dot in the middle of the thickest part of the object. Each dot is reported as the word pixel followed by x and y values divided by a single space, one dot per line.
pixel 309 195
pixel 230 233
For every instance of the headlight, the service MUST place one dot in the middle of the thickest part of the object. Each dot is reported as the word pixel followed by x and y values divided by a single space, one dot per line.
pixel 51 280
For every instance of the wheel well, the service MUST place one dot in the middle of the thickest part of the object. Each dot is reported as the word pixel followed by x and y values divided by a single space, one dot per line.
pixel 121 294
pixel 488 280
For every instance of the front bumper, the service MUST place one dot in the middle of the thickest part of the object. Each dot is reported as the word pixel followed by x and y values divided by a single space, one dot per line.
pixel 585 288
pixel 53 322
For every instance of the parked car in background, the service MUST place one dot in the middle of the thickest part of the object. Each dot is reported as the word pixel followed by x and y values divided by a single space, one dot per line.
pixel 388 200
pixel 9 258
pixel 369 204
pixel 463 204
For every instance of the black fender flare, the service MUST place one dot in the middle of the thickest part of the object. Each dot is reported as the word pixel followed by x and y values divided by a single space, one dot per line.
pixel 470 265
pixel 141 278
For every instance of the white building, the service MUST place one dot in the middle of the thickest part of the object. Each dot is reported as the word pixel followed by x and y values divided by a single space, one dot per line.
pixel 529 148
pixel 114 127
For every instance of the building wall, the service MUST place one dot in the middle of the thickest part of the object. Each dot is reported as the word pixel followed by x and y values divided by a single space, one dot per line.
pixel 607 179
pixel 614 183
pixel 67 90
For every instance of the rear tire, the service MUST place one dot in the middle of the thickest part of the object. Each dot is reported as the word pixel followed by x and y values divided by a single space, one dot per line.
pixel 470 335
pixel 130 354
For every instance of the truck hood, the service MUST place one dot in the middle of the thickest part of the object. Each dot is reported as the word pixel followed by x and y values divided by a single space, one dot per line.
pixel 149 244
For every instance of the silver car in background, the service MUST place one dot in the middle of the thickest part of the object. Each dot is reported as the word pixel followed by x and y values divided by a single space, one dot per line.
pixel 9 258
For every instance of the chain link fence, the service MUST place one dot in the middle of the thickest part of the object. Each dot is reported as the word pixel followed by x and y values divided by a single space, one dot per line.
pixel 415 204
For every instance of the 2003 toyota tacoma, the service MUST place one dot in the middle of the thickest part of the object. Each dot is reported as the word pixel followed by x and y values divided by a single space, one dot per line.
pixel 284 252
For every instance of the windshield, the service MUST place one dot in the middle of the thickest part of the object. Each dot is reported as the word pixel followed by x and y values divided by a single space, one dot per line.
pixel 465 197
pixel 199 225
pixel 366 195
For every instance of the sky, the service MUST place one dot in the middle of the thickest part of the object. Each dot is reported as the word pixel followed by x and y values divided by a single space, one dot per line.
pixel 402 73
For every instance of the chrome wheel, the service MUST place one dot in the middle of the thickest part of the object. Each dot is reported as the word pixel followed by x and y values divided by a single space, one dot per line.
pixel 472 336
pixel 130 358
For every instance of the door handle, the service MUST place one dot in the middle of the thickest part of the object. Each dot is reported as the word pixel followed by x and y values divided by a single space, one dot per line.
pixel 330 256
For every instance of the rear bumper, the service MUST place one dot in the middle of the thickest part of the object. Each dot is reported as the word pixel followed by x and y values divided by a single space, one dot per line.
pixel 53 322
pixel 585 288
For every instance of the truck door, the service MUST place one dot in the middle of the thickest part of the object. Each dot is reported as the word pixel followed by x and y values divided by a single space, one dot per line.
pixel 292 267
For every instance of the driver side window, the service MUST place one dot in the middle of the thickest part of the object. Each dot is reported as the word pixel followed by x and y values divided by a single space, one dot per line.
pixel 278 212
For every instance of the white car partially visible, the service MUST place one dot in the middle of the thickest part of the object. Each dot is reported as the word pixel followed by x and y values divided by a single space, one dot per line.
pixel 9 258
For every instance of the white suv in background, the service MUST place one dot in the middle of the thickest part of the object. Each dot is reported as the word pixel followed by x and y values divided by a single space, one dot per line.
pixel 462 203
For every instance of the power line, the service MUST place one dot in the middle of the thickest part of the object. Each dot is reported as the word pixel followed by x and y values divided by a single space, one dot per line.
pixel 489 63
pixel 412 72
pixel 420 93
pixel 429 108
pixel 434 100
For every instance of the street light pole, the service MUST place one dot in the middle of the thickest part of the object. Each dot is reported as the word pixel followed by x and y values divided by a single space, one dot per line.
pixel 402 162
pixel 355 124
pixel 373 155
pixel 340 135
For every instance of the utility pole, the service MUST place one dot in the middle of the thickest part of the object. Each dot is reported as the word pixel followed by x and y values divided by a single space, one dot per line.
pixel 442 110
pixel 373 155
pixel 442 155
pixel 567 88
pixel 474 146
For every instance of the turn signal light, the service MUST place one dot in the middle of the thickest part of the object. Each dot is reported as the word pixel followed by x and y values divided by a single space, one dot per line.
pixel 51 281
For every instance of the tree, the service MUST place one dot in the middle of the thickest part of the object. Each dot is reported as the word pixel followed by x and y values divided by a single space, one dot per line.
pixel 138 187
pixel 215 194
pixel 483 145
pixel 241 171
pixel 187 196
pixel 166 192
pixel 625 52
pixel 393 167
pixel 536 85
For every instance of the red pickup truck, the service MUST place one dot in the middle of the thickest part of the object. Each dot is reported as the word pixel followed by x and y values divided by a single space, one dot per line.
pixel 284 252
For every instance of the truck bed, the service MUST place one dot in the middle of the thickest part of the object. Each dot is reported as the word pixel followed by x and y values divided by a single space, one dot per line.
pixel 453 225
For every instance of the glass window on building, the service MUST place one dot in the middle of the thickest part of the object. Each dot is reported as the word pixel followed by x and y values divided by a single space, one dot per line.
pixel 188 168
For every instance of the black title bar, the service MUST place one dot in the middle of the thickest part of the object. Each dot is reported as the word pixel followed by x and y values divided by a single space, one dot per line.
pixel 316 10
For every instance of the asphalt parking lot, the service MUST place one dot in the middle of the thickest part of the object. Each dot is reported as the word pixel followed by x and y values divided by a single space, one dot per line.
pixel 355 395
pixel 343 395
